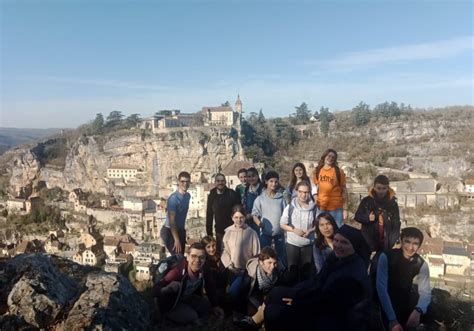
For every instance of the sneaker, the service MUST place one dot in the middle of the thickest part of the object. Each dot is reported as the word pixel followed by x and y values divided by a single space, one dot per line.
pixel 246 323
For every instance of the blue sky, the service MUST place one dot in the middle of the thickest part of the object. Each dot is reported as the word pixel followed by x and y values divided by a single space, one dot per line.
pixel 64 61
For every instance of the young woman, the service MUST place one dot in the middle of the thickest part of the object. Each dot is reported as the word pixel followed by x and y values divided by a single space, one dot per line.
pixel 214 264
pixel 325 227
pixel 253 189
pixel 332 192
pixel 262 275
pixel 240 243
pixel 298 173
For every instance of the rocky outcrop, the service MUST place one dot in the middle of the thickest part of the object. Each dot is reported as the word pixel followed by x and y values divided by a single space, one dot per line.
pixel 158 158
pixel 39 291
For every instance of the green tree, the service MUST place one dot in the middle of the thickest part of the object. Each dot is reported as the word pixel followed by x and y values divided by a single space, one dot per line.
pixel 325 117
pixel 115 118
pixel 226 104
pixel 361 114
pixel 302 113
pixel 133 120
pixel 97 124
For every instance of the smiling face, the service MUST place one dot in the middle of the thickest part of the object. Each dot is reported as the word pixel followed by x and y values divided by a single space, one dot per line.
pixel 299 172
pixel 330 159
pixel 325 227
pixel 211 248
pixel 252 178
pixel 272 184
pixel 220 182
pixel 184 183
pixel 342 246
pixel 303 193
pixel 410 246
pixel 239 219
pixel 268 265
pixel 196 259
pixel 243 177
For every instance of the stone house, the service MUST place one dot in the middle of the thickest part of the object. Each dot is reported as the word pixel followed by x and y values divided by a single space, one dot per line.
pixel 93 256
pixel 469 186
pixel 231 169
pixel 223 115
pixel 122 171
pixel 16 204
pixel 432 251
pixel 27 246
pixel 456 258
pixel 143 271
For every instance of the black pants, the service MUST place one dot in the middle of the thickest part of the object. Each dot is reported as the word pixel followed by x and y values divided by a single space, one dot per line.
pixel 168 240
pixel 300 262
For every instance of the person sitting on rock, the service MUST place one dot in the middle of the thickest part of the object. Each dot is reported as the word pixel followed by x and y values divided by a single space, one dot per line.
pixel 337 299
pixel 179 292
pixel 216 267
pixel 396 270
pixel 379 215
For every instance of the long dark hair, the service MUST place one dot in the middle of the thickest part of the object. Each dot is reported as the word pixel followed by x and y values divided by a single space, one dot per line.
pixel 321 164
pixel 320 239
pixel 293 176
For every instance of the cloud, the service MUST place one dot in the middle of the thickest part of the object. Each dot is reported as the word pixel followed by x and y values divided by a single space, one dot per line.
pixel 402 53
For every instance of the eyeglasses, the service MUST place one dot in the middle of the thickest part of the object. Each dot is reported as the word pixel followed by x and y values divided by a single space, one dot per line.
pixel 198 257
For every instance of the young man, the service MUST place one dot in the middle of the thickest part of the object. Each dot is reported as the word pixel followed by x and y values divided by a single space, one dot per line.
pixel 173 232
pixel 297 220
pixel 394 279
pixel 242 174
pixel 379 215
pixel 267 211
pixel 220 202
pixel 179 293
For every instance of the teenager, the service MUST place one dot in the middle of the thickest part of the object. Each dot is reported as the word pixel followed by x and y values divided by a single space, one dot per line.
pixel 396 270
pixel 379 215
pixel 267 211
pixel 297 221
pixel 325 227
pixel 179 293
pixel 240 243
pixel 173 233
pixel 331 194
pixel 220 202
pixel 215 265
pixel 298 174
pixel 242 175
pixel 253 189
pixel 337 300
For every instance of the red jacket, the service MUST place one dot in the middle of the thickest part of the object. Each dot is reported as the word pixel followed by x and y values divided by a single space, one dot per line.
pixel 168 293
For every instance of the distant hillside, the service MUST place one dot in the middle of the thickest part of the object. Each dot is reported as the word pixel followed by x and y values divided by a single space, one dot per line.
pixel 10 137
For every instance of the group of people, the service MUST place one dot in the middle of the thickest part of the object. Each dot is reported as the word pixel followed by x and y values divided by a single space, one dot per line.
pixel 286 258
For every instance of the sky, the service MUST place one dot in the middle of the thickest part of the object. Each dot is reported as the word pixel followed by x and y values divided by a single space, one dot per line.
pixel 62 62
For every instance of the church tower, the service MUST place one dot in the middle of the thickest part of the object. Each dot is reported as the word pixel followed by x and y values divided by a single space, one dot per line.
pixel 238 109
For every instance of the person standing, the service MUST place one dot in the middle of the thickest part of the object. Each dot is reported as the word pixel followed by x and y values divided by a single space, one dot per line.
pixel 297 221
pixel 220 202
pixel 173 232
pixel 267 211
pixel 332 194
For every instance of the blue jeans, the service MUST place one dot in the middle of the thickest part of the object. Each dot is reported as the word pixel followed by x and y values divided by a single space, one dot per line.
pixel 336 213
pixel 279 240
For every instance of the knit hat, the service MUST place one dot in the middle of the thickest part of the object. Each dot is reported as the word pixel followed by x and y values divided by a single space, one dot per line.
pixel 358 242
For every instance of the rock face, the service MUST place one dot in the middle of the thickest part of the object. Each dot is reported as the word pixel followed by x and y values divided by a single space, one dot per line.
pixel 39 291
pixel 158 157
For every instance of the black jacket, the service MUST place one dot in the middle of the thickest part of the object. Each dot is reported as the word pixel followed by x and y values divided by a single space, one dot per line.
pixel 388 209
pixel 219 208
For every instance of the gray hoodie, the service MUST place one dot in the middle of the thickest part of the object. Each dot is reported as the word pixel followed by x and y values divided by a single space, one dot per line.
pixel 269 210
pixel 301 218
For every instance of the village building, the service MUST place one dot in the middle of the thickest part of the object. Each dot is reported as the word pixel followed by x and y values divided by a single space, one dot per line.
pixel 122 171
pixel 79 199
pixel 469 185
pixel 224 116
pixel 16 204
pixel 52 245
pixel 27 247
pixel 198 202
pixel 456 258
pixel 143 271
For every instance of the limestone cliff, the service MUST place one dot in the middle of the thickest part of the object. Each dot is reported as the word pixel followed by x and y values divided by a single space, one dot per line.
pixel 48 292
pixel 157 157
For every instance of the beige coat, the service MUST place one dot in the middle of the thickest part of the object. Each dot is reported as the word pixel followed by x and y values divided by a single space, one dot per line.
pixel 240 245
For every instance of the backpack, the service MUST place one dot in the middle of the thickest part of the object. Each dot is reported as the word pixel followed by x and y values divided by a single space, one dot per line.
pixel 165 265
